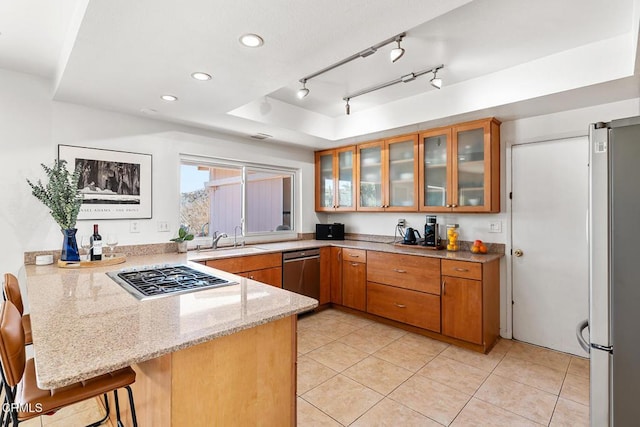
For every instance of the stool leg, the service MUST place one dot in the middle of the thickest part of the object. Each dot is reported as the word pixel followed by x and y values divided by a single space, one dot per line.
pixel 132 406
pixel 119 421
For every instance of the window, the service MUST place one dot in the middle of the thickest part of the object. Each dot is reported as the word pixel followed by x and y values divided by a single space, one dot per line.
pixel 234 198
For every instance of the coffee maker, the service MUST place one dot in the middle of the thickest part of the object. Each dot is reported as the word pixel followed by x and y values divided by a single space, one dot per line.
pixel 431 233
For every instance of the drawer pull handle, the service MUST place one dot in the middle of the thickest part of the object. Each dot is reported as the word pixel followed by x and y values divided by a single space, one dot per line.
pixel 400 305
pixel 354 264
pixel 353 256
pixel 461 269
pixel 399 271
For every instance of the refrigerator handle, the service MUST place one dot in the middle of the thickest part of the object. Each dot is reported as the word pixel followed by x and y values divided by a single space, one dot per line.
pixel 581 327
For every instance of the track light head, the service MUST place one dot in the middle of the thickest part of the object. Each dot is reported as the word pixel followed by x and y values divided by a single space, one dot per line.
pixel 397 52
pixel 436 81
pixel 348 107
pixel 303 91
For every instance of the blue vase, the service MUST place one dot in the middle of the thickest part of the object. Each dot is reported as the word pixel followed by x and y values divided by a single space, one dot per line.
pixel 70 245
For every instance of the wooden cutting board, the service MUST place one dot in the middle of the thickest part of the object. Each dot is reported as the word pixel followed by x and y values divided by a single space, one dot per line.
pixel 116 259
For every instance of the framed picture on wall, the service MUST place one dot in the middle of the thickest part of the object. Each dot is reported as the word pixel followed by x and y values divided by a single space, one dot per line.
pixel 114 184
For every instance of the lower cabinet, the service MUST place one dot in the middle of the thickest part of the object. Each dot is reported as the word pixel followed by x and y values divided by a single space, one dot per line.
pixel 462 309
pixel 270 276
pixel 336 275
pixel 412 307
pixel 354 279
pixel 265 268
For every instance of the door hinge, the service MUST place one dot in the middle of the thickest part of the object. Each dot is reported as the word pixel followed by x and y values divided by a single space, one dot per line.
pixel 510 195
pixel 512 302
pixel 510 251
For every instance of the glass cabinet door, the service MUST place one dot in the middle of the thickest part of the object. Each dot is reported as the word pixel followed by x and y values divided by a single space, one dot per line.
pixel 435 158
pixel 326 195
pixel 346 196
pixel 370 169
pixel 470 152
pixel 402 172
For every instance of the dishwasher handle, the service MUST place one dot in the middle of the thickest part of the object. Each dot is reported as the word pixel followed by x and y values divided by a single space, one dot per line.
pixel 300 259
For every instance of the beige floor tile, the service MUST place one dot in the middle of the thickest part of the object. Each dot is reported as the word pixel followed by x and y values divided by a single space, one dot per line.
pixel 521 399
pixel 460 376
pixel 342 399
pixel 309 340
pixel 570 414
pixel 422 343
pixel 502 346
pixel 576 388
pixel 579 366
pixel 540 355
pixel 389 413
pixel 485 362
pixel 337 356
pixel 479 413
pixel 432 399
pixel 310 416
pixel 526 372
pixel 360 322
pixel 385 330
pixel 312 374
pixel 366 340
pixel 378 374
pixel 333 328
pixel 403 356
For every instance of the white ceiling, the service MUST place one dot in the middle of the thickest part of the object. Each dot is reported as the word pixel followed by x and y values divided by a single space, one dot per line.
pixel 503 57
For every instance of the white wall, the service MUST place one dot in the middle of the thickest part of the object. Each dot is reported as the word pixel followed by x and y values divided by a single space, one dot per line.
pixel 32 126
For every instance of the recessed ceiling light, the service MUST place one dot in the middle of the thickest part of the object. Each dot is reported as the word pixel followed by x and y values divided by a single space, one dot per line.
pixel 199 75
pixel 169 98
pixel 251 40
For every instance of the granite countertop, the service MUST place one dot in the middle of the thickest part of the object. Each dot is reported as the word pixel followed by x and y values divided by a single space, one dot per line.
pixel 398 248
pixel 84 324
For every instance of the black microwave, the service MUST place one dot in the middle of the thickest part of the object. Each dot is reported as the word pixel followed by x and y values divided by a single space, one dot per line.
pixel 330 231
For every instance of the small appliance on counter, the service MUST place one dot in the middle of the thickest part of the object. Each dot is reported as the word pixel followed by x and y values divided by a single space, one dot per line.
pixel 431 233
pixel 411 236
pixel 333 231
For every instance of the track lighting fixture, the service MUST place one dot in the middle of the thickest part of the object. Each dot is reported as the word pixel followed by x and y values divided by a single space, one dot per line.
pixel 303 91
pixel 397 52
pixel 362 54
pixel 435 81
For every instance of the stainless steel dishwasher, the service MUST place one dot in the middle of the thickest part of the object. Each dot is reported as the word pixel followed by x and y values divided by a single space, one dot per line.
pixel 301 272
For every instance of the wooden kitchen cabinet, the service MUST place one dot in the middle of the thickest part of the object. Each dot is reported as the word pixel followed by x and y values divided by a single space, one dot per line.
pixel 270 276
pixel 459 168
pixel 354 278
pixel 335 179
pixel 413 272
pixel 336 275
pixel 387 173
pixel 419 309
pixel 471 301
pixel 265 268
pixel 325 275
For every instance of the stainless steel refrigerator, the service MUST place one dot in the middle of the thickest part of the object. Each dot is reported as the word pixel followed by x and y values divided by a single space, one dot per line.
pixel 613 339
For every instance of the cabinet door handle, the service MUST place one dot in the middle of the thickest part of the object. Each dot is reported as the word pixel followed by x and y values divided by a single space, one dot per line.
pixel 339 255
pixel 400 305
pixel 448 206
pixel 454 206
pixel 354 264
pixel 399 271
pixel 444 286
pixel 251 277
pixel 461 269
pixel 354 256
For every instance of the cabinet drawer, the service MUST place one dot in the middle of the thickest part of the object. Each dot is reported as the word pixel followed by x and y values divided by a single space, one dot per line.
pixel 464 269
pixel 355 255
pixel 414 308
pixel 270 276
pixel 246 263
pixel 405 271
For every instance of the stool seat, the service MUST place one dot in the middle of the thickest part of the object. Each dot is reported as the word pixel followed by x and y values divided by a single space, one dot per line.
pixel 28 393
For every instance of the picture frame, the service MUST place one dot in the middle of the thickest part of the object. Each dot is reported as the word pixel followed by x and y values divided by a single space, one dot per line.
pixel 114 184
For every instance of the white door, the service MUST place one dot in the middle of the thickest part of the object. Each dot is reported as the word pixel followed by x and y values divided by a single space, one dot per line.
pixel 549 226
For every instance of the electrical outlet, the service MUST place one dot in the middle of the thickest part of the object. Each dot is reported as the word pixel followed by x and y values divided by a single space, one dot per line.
pixel 163 226
pixel 495 227
pixel 134 226
pixel 402 222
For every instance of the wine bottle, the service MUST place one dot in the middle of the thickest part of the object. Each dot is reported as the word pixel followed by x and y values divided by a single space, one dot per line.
pixel 96 244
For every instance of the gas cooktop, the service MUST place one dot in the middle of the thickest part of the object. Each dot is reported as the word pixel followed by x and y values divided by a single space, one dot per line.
pixel 160 281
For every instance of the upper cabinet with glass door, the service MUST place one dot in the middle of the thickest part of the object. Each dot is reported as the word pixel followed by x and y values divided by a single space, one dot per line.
pixel 387 172
pixel 335 179
pixel 460 168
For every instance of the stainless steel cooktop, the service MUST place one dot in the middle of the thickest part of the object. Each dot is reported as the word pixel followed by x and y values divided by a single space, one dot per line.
pixel 160 281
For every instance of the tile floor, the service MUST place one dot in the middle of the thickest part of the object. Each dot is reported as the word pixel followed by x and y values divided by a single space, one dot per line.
pixel 353 371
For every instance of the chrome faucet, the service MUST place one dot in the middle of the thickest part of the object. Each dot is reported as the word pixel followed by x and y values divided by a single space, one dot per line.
pixel 216 239
pixel 235 236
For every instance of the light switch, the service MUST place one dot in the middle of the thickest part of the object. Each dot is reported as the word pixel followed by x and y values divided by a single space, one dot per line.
pixel 495 227
pixel 163 226
pixel 134 227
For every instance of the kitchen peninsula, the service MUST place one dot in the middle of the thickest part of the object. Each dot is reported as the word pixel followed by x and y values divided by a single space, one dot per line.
pixel 224 356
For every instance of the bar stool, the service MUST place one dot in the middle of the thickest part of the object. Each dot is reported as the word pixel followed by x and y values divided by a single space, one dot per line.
pixel 12 293
pixel 24 400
